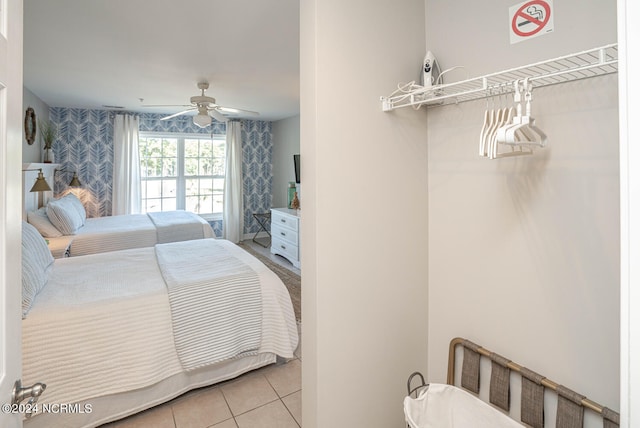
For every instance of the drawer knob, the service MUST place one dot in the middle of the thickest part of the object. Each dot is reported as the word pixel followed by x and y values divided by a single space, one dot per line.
pixel 283 220
pixel 283 247
pixel 283 234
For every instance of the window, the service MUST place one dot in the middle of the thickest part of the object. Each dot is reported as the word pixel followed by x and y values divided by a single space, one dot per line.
pixel 182 172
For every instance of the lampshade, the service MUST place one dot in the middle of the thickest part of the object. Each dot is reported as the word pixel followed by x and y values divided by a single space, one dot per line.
pixel 202 120
pixel 41 184
pixel 75 182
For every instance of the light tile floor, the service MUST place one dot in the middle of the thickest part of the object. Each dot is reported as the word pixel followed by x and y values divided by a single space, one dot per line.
pixel 270 397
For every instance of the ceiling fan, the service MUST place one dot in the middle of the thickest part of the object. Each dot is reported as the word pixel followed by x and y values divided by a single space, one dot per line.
pixel 206 107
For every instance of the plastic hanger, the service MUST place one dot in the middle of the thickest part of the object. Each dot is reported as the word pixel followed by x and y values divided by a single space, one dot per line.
pixel 537 133
pixel 500 117
pixel 489 118
pixel 512 122
pixel 483 131
pixel 496 118
pixel 508 132
pixel 504 117
pixel 524 129
pixel 502 133
pixel 508 116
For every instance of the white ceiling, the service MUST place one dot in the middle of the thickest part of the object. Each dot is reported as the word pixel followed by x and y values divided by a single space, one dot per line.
pixel 96 53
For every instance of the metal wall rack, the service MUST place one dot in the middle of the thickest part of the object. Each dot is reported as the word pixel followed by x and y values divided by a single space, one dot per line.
pixel 589 63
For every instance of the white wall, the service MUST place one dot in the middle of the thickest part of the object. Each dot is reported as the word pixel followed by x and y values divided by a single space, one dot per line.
pixel 33 152
pixel 364 215
pixel 475 34
pixel 286 143
pixel 524 252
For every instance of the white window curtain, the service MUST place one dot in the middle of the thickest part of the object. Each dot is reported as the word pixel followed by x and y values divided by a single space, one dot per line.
pixel 126 198
pixel 233 209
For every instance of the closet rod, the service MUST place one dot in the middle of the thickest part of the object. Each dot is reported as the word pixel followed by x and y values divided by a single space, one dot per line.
pixel 581 65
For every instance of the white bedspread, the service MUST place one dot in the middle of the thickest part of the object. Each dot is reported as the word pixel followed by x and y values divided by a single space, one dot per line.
pixel 226 321
pixel 173 226
pixel 122 232
pixel 92 326
pixel 96 330
pixel 113 233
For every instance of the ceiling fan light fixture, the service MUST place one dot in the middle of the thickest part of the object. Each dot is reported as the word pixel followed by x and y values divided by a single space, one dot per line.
pixel 207 109
pixel 202 120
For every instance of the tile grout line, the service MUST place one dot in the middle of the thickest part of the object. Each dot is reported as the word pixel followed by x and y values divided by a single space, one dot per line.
pixel 173 416
pixel 289 410
pixel 266 404
pixel 283 403
pixel 229 407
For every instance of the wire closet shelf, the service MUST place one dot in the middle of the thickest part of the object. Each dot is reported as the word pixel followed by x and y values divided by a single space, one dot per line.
pixel 590 63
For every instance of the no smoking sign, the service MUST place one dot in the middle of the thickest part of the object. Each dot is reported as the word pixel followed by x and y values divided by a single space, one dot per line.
pixel 530 19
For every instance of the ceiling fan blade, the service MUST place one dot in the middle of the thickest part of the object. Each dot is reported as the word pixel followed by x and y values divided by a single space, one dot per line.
pixel 239 111
pixel 166 105
pixel 218 116
pixel 178 114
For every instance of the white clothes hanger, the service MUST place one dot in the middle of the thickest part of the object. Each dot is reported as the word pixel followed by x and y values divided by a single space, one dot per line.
pixel 523 130
pixel 504 116
pixel 487 124
pixel 537 133
pixel 518 134
pixel 494 119
pixel 495 144
pixel 505 130
pixel 501 135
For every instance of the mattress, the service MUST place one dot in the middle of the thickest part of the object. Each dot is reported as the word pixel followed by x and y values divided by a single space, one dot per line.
pixel 122 232
pixel 95 331
pixel 109 408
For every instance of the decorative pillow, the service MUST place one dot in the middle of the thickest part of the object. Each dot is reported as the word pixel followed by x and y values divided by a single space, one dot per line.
pixel 64 215
pixel 77 205
pixel 37 262
pixel 40 221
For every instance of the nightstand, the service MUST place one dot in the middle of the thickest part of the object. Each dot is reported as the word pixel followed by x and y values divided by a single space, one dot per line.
pixel 60 247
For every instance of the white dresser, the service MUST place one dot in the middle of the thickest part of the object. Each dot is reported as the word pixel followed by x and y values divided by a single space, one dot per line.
pixel 285 234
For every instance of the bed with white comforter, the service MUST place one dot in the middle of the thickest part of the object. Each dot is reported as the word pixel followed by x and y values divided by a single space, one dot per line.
pixel 126 330
pixel 122 232
pixel 66 216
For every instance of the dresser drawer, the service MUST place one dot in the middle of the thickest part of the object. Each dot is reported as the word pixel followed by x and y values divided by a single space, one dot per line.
pixel 285 237
pixel 284 248
pixel 279 219
pixel 284 233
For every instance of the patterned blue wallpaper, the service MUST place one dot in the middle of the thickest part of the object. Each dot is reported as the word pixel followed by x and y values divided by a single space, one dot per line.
pixel 85 145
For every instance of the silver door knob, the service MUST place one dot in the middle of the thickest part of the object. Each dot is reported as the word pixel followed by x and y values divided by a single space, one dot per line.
pixel 32 392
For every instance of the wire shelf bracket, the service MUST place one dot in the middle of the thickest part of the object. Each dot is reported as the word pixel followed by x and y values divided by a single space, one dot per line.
pixel 590 63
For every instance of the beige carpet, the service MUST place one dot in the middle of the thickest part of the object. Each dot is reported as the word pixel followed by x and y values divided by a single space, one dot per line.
pixel 290 279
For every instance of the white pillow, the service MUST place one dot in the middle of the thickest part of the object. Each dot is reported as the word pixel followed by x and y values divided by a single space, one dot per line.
pixel 77 205
pixel 40 221
pixel 37 262
pixel 64 215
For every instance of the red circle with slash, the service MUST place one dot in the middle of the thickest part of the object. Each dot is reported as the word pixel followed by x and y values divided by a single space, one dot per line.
pixel 528 18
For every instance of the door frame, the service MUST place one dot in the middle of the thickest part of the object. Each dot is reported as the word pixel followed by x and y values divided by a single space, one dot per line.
pixel 11 84
pixel 629 111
